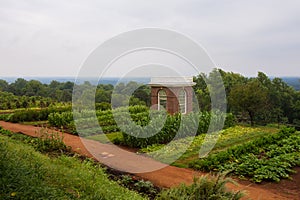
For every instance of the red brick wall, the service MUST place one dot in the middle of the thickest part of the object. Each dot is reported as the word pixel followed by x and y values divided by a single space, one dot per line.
pixel 172 98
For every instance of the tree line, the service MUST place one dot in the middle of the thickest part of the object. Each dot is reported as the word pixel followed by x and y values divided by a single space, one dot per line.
pixel 58 91
pixel 258 99
pixel 33 93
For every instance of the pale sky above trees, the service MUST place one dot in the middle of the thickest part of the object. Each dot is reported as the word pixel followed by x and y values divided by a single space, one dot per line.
pixel 53 38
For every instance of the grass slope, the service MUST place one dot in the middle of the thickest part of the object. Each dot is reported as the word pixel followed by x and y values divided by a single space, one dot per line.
pixel 27 174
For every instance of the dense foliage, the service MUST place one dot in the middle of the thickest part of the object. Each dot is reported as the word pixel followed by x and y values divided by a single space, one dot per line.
pixel 258 99
pixel 30 93
pixel 140 115
pixel 10 101
pixel 269 157
pixel 171 127
pixel 55 90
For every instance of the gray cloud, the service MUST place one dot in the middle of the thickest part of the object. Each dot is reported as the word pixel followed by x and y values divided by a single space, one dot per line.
pixel 50 38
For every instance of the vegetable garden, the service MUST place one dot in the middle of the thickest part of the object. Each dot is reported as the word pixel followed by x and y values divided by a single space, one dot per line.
pixel 270 157
pixel 140 115
pixel 256 155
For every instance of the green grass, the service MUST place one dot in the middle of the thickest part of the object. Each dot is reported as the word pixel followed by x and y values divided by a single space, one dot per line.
pixel 27 174
pixel 115 137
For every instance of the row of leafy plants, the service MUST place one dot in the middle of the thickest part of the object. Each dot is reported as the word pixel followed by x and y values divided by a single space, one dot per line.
pixel 85 119
pixel 141 118
pixel 63 117
pixel 269 158
pixel 175 127
pixel 188 148
pixel 30 115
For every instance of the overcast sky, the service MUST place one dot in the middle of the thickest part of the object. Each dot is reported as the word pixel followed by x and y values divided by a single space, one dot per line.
pixel 53 38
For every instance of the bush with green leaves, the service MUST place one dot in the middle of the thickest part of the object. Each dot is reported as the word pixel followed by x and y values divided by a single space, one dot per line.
pixel 62 120
pixel 204 188
pixel 103 106
pixel 141 186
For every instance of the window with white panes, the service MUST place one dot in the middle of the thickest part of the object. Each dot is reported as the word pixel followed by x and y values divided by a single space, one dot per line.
pixel 162 100
pixel 182 101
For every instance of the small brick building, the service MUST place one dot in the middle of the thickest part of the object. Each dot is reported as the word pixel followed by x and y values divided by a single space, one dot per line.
pixel 175 94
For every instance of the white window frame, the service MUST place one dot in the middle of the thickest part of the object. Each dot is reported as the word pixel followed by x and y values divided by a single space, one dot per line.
pixel 159 99
pixel 184 103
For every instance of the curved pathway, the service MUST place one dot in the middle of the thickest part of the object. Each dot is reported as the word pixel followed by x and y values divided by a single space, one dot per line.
pixel 165 176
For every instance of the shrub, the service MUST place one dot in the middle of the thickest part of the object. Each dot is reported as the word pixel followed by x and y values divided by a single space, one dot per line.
pixel 60 119
pixel 50 142
pixel 204 188
pixel 141 186
pixel 103 106
pixel 230 120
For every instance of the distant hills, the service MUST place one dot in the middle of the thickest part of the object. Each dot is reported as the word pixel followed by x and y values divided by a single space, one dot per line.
pixel 292 81
pixel 94 81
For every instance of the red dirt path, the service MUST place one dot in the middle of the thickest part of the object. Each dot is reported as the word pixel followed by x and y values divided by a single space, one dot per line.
pixel 168 176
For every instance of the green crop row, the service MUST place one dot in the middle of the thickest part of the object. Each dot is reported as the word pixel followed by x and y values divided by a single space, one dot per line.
pixel 106 119
pixel 34 114
pixel 145 123
pixel 175 127
pixel 111 120
pixel 270 157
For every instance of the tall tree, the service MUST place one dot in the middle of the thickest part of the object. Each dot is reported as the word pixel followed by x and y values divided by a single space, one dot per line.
pixel 251 97
pixel 202 92
pixel 3 85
